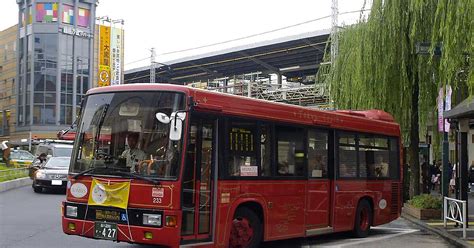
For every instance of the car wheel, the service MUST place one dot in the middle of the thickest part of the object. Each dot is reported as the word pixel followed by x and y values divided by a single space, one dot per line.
pixel 37 189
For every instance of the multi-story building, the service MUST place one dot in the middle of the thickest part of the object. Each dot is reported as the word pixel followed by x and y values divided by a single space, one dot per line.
pixel 8 70
pixel 54 57
pixel 47 63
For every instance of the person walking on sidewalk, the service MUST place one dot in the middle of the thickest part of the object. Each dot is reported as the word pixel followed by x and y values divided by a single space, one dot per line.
pixel 425 174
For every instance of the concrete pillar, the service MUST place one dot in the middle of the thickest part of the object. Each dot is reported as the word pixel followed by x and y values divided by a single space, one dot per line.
pixel 279 80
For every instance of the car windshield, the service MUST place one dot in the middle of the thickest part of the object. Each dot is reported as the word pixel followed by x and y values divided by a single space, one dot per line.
pixel 63 151
pixel 120 132
pixel 21 155
pixel 58 162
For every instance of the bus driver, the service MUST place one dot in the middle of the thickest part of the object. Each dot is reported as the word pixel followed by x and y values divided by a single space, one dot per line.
pixel 133 154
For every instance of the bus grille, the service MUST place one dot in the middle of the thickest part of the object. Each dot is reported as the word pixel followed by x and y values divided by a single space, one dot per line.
pixel 395 198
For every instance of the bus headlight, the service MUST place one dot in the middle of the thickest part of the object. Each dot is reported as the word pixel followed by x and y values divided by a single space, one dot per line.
pixel 71 211
pixel 152 219
pixel 40 174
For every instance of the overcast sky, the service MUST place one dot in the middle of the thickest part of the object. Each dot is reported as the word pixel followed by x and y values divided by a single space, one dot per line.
pixel 181 24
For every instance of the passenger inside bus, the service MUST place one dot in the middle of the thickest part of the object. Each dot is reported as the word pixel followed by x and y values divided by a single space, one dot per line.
pixel 316 163
pixel 283 168
pixel 381 167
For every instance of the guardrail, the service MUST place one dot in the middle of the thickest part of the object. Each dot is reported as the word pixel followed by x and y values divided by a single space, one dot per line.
pixel 455 210
pixel 13 173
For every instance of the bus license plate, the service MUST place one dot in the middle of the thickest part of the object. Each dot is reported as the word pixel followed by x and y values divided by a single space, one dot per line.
pixel 105 230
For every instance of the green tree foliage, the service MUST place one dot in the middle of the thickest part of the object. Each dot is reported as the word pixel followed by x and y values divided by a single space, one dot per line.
pixel 377 65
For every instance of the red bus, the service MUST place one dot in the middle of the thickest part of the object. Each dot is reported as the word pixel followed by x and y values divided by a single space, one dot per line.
pixel 188 167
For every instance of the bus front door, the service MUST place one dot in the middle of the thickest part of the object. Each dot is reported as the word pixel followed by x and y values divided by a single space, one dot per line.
pixel 198 183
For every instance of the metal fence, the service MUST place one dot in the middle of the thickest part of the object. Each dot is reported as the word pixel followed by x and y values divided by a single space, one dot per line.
pixel 13 173
pixel 455 210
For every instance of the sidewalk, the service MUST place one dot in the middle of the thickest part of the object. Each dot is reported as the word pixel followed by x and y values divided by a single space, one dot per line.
pixel 451 233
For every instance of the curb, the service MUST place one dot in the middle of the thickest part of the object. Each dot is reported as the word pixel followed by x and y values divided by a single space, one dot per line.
pixel 13 184
pixel 458 242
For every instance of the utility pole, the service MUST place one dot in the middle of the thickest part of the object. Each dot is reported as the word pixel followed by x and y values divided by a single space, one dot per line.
pixel 334 36
pixel 152 65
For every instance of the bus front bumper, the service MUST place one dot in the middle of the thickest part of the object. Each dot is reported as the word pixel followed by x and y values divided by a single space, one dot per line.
pixel 167 236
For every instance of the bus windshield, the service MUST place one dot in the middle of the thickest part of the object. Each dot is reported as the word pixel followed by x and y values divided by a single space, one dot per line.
pixel 119 134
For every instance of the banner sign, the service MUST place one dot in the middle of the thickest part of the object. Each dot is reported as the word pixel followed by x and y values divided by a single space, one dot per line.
pixel 116 56
pixel 440 110
pixel 447 106
pixel 109 194
pixel 104 56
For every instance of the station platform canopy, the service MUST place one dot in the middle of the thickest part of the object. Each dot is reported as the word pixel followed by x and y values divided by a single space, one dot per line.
pixel 293 57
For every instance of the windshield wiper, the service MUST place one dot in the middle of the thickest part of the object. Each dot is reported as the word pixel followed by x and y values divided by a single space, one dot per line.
pixel 124 173
pixel 85 172
pixel 117 171
pixel 96 168
pixel 99 126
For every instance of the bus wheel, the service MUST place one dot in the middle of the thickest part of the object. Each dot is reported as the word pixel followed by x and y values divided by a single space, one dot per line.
pixel 363 219
pixel 246 229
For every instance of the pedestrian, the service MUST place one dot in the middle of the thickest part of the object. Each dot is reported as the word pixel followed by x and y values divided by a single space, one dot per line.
pixel 433 175
pixel 425 174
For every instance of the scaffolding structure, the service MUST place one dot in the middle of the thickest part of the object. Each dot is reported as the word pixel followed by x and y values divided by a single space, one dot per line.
pixel 268 88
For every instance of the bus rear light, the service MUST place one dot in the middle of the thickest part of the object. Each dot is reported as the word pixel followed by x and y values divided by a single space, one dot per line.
pixel 171 221
pixel 148 235
pixel 71 226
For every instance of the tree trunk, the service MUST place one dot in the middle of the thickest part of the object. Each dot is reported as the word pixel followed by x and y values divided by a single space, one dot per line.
pixel 413 157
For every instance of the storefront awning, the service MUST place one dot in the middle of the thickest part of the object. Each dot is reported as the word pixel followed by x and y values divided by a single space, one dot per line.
pixel 462 111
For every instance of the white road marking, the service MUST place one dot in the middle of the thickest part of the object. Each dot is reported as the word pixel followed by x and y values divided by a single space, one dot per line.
pixel 399 232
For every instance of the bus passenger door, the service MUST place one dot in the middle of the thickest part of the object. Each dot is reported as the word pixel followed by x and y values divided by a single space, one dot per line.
pixel 199 182
pixel 318 202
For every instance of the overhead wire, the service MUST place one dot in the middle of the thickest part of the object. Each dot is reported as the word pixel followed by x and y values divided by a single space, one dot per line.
pixel 246 37
pixel 262 33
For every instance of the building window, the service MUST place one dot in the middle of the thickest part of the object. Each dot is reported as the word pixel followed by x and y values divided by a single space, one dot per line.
pixel 68 14
pixel 1 123
pixel 30 14
pixel 83 17
pixel 46 12
pixel 6 122
pixel 23 20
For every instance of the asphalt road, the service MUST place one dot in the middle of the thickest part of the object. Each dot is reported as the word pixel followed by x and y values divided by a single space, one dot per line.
pixel 28 219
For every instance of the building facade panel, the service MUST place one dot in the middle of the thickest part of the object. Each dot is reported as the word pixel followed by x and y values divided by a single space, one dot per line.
pixel 50 69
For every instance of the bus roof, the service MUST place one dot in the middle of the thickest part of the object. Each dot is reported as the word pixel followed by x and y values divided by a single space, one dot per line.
pixel 371 121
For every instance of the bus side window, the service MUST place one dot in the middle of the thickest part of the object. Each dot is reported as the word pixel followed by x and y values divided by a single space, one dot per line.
pixel 290 151
pixel 317 154
pixel 347 156
pixel 265 149
pixel 394 159
pixel 241 149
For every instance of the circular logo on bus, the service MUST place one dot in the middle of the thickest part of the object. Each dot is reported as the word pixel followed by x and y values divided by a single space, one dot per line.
pixel 98 194
pixel 78 190
pixel 382 204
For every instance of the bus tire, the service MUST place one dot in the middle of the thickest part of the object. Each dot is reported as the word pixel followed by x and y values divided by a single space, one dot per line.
pixel 246 230
pixel 363 219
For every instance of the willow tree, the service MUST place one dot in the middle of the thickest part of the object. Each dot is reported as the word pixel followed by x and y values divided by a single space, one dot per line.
pixel 377 65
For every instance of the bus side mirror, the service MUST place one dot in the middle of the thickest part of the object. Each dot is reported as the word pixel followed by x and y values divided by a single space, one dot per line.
pixel 176 127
